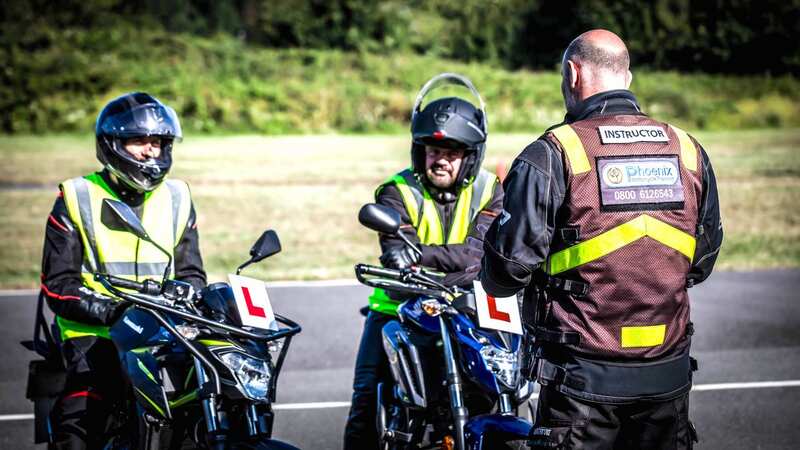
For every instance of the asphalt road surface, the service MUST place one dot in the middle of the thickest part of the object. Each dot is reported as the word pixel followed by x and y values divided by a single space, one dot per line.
pixel 747 332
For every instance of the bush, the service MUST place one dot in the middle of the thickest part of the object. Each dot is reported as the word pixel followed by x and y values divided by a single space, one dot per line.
pixel 58 81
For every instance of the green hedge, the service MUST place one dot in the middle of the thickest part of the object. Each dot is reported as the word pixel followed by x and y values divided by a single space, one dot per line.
pixel 56 81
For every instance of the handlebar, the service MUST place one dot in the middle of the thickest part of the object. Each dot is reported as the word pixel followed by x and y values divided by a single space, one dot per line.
pixel 403 280
pixel 148 287
pixel 105 280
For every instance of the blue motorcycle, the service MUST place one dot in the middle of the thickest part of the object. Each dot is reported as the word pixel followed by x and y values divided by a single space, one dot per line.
pixel 444 367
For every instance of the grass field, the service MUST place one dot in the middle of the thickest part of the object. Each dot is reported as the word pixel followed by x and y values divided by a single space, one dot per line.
pixel 309 189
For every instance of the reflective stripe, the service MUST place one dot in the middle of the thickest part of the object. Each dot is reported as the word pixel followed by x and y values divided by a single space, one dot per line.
pixel 175 195
pixel 461 216
pixel 488 192
pixel 646 336
pixel 85 209
pixel 132 268
pixel 618 237
pixel 688 150
pixel 404 184
pixel 573 147
pixel 484 188
pixel 430 229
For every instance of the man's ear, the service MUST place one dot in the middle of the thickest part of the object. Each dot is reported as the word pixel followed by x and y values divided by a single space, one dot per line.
pixel 628 79
pixel 573 72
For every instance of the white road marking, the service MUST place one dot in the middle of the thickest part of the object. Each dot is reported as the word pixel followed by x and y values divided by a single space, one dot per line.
pixel 328 405
pixel 317 405
pixel 750 385
pixel 12 417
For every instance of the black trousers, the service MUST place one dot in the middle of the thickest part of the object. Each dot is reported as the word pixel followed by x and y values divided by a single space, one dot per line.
pixel 567 423
pixel 94 386
pixel 372 366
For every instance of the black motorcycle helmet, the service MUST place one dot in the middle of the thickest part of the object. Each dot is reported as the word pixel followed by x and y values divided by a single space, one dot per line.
pixel 449 122
pixel 136 115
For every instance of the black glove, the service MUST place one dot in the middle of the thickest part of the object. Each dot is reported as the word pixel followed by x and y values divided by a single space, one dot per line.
pixel 108 311
pixel 399 258
pixel 463 278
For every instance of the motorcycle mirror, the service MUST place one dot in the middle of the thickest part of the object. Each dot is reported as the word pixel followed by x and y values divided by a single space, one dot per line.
pixel 118 216
pixel 379 218
pixel 267 245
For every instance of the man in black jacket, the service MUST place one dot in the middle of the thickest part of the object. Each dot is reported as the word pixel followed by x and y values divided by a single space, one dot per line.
pixel 134 138
pixel 608 218
pixel 446 202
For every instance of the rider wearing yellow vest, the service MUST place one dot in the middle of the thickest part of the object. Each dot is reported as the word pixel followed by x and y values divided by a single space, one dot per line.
pixel 446 202
pixel 608 219
pixel 135 134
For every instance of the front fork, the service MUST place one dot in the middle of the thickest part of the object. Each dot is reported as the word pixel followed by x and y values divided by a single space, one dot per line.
pixel 460 413
pixel 216 422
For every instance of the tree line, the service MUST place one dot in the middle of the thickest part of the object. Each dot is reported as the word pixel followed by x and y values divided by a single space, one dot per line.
pixel 716 36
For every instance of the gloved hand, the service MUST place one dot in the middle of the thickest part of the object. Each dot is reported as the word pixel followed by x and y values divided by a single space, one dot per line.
pixel 109 311
pixel 462 278
pixel 401 257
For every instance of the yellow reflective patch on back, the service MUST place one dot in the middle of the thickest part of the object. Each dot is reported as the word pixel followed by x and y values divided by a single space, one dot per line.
pixel 618 237
pixel 573 147
pixel 646 336
pixel 688 150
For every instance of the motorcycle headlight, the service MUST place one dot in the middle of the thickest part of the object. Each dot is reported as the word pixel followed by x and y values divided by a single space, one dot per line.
pixel 253 374
pixel 504 365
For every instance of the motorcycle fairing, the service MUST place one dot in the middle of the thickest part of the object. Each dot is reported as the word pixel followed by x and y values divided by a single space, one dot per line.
pixel 486 431
pixel 405 364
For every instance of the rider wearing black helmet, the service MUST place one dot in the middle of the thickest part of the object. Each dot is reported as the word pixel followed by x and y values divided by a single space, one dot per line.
pixel 446 202
pixel 134 134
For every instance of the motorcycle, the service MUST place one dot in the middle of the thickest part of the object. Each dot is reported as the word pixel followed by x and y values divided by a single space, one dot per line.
pixel 443 366
pixel 197 377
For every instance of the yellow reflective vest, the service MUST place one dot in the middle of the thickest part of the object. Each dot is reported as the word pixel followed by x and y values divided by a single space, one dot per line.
pixel 421 208
pixel 165 215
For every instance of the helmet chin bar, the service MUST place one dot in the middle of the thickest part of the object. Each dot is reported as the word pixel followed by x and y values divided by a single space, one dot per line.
pixel 455 79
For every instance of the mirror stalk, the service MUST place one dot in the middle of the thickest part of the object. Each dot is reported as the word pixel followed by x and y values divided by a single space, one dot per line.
pixel 239 269
pixel 409 243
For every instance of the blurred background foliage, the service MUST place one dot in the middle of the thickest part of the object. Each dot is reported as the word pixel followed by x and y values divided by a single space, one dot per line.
pixel 310 66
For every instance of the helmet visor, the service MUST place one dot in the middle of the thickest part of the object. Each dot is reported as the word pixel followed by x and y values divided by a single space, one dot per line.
pixel 150 119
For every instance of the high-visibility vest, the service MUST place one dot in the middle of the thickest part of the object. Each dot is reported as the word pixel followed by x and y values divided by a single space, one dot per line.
pixel 421 208
pixel 627 229
pixel 165 214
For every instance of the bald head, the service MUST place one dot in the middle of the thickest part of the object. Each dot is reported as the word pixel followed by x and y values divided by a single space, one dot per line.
pixel 601 49
pixel 596 61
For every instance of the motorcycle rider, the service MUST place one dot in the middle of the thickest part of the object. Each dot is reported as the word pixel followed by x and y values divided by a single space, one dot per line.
pixel 446 202
pixel 134 134
pixel 608 218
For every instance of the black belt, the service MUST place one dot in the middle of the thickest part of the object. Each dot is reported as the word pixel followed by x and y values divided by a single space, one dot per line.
pixel 616 382
pixel 542 334
pixel 571 287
